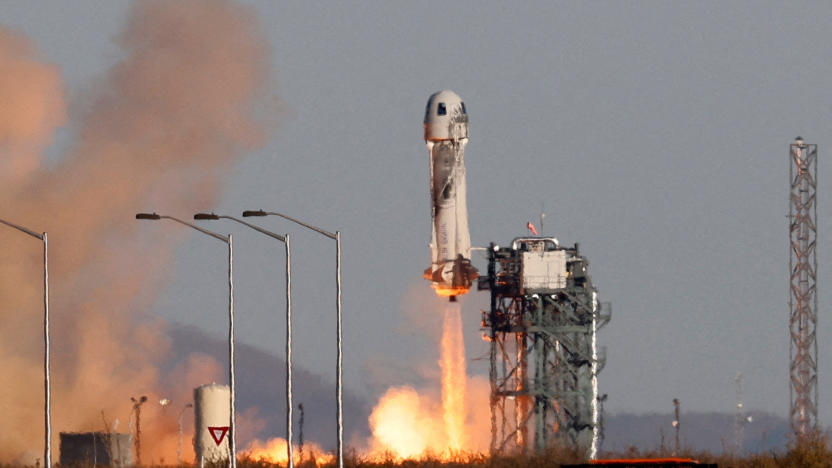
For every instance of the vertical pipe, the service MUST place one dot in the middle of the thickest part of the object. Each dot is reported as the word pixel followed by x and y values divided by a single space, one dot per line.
pixel 338 382
pixel 47 453
pixel 522 398
pixel 540 399
pixel 232 459
pixel 289 353
pixel 492 368
pixel 593 448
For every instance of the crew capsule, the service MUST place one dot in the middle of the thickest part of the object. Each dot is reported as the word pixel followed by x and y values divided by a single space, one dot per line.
pixel 445 117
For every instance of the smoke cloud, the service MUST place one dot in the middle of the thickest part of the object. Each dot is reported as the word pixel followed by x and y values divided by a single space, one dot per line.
pixel 32 108
pixel 163 125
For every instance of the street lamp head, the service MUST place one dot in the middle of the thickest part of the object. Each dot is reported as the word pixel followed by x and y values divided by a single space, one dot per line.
pixel 143 399
pixel 248 213
pixel 147 216
pixel 206 216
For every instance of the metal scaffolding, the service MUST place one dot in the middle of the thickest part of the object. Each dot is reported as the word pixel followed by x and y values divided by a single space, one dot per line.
pixel 803 300
pixel 542 324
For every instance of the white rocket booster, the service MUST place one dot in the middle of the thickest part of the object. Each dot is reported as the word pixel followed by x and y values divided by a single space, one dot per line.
pixel 446 134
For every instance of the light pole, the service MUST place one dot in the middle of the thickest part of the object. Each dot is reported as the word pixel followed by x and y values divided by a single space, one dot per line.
pixel 232 428
pixel 179 443
pixel 338 379
pixel 47 401
pixel 285 239
pixel 137 408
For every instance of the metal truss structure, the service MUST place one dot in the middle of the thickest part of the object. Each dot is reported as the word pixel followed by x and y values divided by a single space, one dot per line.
pixel 542 324
pixel 803 299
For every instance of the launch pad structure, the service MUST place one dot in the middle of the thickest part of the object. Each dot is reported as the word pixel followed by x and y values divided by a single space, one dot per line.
pixel 544 355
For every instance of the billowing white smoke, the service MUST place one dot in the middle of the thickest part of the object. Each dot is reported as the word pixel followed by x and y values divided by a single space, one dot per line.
pixel 158 131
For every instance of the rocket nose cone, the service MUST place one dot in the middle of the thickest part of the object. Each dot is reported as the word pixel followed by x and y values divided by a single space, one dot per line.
pixel 445 117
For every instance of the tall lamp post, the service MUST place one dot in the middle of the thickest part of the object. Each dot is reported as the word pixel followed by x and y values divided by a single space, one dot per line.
pixel 338 374
pixel 137 410
pixel 285 239
pixel 232 459
pixel 179 442
pixel 47 401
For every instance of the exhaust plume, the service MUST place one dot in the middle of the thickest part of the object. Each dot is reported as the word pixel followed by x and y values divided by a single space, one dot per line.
pixel 410 424
pixel 159 131
pixel 452 362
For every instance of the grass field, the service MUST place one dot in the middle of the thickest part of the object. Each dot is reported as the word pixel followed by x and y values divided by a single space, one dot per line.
pixel 815 452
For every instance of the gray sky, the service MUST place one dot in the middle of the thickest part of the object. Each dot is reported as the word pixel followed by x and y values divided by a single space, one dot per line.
pixel 653 133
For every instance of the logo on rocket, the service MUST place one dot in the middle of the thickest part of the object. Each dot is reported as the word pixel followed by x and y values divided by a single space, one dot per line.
pixel 446 134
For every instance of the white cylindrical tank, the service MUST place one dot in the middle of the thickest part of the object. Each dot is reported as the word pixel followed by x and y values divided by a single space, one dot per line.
pixel 212 412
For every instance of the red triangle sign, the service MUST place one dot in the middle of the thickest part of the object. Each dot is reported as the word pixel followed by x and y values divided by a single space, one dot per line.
pixel 218 433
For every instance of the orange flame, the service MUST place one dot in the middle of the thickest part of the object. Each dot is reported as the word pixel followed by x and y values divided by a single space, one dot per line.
pixel 274 451
pixel 408 424
pixel 452 363
pixel 404 425
pixel 411 424
pixel 448 291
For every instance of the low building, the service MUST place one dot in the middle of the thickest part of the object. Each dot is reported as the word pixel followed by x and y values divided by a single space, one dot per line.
pixel 96 449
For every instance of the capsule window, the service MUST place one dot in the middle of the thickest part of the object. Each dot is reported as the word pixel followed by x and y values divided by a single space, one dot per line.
pixel 463 108
pixel 440 109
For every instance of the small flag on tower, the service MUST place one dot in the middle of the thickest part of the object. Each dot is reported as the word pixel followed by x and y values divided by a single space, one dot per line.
pixel 531 228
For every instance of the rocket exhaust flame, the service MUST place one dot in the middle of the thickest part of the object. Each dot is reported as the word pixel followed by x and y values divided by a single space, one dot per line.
pixel 411 424
pixel 452 363
pixel 407 424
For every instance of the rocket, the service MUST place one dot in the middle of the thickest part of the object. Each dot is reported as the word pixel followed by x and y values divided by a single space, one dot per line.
pixel 446 134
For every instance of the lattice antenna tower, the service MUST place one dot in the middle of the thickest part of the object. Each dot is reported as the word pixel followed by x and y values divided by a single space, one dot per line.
pixel 803 300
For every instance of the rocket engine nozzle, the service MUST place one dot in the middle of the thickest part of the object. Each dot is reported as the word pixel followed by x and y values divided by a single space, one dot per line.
pixel 452 278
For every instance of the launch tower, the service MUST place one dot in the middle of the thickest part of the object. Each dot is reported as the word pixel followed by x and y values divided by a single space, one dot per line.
pixel 542 324
pixel 803 299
